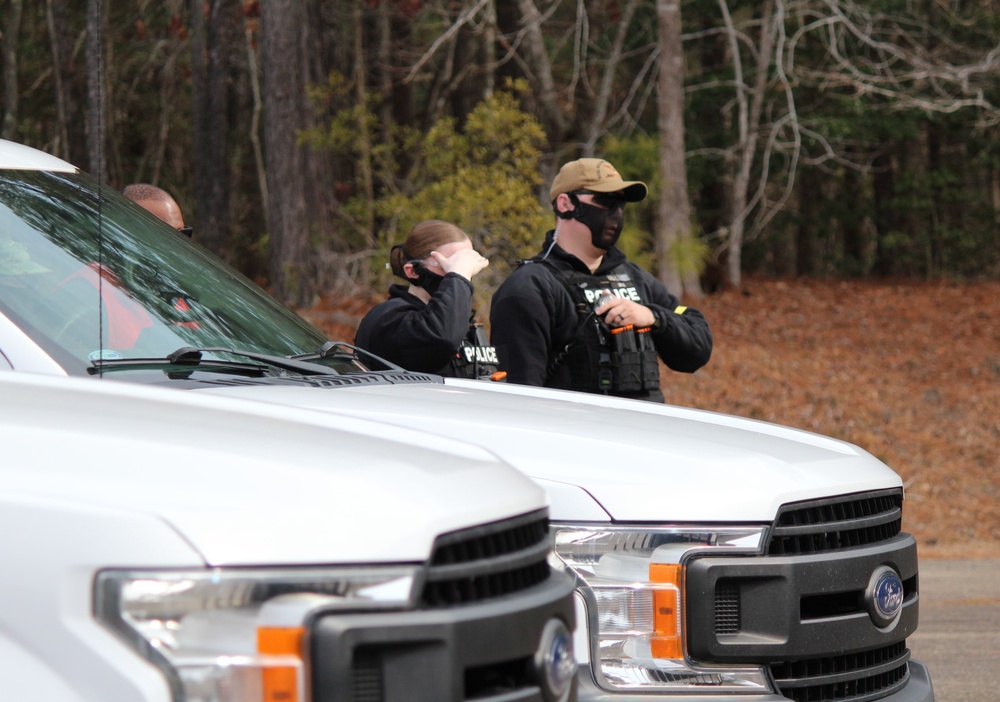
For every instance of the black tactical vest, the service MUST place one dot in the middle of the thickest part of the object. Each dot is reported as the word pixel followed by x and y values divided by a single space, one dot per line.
pixel 475 358
pixel 604 359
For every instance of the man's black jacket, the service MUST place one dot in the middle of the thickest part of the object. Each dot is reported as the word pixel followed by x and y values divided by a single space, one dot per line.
pixel 533 318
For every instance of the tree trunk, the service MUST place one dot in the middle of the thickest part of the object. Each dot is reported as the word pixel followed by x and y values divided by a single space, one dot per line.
pixel 11 30
pixel 806 244
pixel 256 111
pixel 852 232
pixel 886 213
pixel 437 95
pixel 319 170
pixel 750 109
pixel 71 139
pixel 383 33
pixel 282 60
pixel 938 205
pixel 211 47
pixel 545 85
pixel 464 91
pixel 674 208
pixel 488 48
pixel 366 174
pixel 96 150
pixel 200 116
pixel 507 16
pixel 402 91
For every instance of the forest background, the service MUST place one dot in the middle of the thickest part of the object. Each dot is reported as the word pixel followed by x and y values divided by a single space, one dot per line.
pixel 790 143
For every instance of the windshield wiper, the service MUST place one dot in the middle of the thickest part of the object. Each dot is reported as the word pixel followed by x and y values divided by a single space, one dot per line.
pixel 191 356
pixel 332 348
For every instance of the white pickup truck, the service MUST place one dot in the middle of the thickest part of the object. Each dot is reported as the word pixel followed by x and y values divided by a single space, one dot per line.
pixel 175 546
pixel 716 558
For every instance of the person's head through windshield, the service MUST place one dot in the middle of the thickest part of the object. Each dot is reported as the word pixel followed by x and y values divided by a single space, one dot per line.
pixel 158 202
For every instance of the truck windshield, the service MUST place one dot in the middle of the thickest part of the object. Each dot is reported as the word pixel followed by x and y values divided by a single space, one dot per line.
pixel 91 277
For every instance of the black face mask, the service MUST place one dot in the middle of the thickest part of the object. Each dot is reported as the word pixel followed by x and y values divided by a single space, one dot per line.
pixel 604 223
pixel 425 279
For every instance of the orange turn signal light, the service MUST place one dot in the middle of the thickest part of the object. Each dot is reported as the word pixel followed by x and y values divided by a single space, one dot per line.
pixel 666 641
pixel 281 683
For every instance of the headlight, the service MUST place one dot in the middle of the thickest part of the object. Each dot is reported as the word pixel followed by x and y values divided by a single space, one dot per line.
pixel 236 634
pixel 634 596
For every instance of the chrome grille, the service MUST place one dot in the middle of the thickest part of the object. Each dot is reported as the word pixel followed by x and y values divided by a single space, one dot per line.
pixel 837 523
pixel 488 561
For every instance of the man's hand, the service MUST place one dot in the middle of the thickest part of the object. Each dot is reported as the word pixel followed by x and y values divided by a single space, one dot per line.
pixel 620 312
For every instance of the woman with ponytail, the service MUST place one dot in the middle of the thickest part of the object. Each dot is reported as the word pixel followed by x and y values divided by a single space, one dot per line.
pixel 427 325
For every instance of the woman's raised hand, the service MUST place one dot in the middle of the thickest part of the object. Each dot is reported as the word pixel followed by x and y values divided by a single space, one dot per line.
pixel 465 262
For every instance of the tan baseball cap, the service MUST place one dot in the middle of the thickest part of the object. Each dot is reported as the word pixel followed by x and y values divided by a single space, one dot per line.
pixel 597 175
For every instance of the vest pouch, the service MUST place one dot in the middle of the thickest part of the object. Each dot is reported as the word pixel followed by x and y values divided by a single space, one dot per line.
pixel 650 359
pixel 626 360
pixel 589 368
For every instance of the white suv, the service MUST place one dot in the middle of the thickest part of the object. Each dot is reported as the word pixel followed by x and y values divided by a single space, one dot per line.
pixel 716 557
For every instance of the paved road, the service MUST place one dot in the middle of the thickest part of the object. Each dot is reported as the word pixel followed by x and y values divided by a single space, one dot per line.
pixel 959 632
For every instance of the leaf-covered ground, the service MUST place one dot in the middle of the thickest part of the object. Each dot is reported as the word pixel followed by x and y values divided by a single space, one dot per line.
pixel 909 371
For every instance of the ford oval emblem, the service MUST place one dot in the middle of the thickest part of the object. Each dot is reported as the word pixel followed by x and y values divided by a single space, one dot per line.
pixel 884 596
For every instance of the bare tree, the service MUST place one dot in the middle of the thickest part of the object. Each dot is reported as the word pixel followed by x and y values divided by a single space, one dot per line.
pixel 603 98
pixel 674 216
pixel 256 112
pixel 70 142
pixel 211 47
pixel 750 104
pixel 454 58
pixel 907 60
pixel 366 174
pixel 283 63
pixel 11 29
pixel 543 78
pixel 96 89
pixel 882 60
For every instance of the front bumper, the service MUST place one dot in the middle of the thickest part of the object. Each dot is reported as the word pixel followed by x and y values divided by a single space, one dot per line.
pixel 483 651
pixel 917 689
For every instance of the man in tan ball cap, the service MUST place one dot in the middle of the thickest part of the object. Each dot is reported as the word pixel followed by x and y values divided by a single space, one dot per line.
pixel 580 315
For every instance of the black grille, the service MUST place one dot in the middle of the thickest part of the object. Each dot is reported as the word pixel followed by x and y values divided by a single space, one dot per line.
pixel 838 523
pixel 727 607
pixel 366 675
pixel 855 677
pixel 488 561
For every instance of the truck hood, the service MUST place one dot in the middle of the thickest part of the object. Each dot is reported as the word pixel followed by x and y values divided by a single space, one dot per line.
pixel 603 458
pixel 248 483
